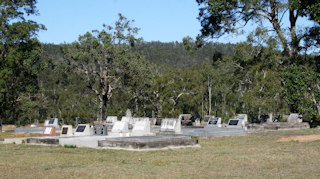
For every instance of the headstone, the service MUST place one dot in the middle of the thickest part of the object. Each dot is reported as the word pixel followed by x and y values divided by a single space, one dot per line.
pixel 49 131
pixel 52 122
pixel 141 128
pixel 111 119
pixel 214 121
pixel 170 125
pixel 99 129
pixel 243 119
pixel 127 119
pixel 82 130
pixel 294 118
pixel 66 130
pixel 128 113
pixel 120 129
pixel 136 119
pixel 237 123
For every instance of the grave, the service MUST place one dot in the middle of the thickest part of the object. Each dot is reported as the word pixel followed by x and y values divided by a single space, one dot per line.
pixel 66 130
pixel 120 129
pixel 148 142
pixel 127 119
pixel 214 122
pixel 136 119
pixel 111 119
pixel 49 131
pixel 295 118
pixel 52 122
pixel 99 129
pixel 170 126
pixel 141 128
pixel 82 130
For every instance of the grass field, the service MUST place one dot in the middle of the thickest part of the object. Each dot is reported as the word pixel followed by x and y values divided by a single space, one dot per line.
pixel 252 156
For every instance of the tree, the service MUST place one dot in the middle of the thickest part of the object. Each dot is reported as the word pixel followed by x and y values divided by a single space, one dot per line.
pixel 19 55
pixel 219 17
pixel 101 55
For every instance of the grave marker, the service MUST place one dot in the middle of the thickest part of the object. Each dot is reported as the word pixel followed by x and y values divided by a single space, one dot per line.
pixel 99 129
pixel 294 118
pixel 49 131
pixel 52 122
pixel 120 129
pixel 111 119
pixel 82 130
pixel 170 125
pixel 66 130
pixel 141 128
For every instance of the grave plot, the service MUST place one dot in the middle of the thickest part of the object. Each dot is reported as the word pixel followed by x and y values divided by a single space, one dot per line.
pixel 141 128
pixel 66 130
pixel 170 126
pixel 120 129
pixel 82 130
pixel 148 142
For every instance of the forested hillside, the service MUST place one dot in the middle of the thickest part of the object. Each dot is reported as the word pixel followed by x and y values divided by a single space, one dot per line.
pixel 109 71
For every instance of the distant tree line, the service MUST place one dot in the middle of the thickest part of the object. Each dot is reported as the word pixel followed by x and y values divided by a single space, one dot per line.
pixel 106 72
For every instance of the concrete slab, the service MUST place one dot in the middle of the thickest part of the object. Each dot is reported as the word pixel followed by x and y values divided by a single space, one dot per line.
pixel 148 142
pixel 213 131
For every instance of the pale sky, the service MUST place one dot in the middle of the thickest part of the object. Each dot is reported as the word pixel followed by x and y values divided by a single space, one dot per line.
pixel 158 20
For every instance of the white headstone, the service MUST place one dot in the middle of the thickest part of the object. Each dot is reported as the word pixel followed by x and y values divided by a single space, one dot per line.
pixel 294 118
pixel 82 130
pixel 128 113
pixel 66 130
pixel 111 119
pixel 214 121
pixel 171 125
pixel 47 130
pixel 141 128
pixel 127 119
pixel 52 122
pixel 135 119
pixel 120 128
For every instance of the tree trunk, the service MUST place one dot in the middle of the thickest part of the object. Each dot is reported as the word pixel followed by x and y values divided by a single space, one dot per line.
pixel 104 107
pixel 209 91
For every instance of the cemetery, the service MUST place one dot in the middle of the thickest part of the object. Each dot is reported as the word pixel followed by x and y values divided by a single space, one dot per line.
pixel 142 133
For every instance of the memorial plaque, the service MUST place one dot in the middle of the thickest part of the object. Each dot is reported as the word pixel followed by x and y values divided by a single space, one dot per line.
pixel 99 129
pixel 49 131
pixel 82 130
pixel 51 121
pixel 120 129
pixel 66 130
pixel 233 122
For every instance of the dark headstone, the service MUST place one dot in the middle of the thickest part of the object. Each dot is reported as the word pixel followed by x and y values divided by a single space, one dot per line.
pixel 233 122
pixel 99 129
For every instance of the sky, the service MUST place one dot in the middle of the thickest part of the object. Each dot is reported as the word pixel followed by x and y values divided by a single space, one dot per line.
pixel 158 20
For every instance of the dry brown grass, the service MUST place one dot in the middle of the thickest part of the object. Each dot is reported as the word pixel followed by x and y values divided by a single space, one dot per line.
pixel 252 156
pixel 307 138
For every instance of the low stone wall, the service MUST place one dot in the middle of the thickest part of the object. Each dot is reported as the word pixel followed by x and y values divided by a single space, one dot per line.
pixel 276 126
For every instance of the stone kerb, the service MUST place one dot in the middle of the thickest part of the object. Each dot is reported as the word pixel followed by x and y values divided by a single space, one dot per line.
pixel 82 130
pixel 120 129
pixel 141 128
pixel 171 125
pixel 66 130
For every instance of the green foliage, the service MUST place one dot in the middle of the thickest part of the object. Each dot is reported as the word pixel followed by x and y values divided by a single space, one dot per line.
pixel 19 57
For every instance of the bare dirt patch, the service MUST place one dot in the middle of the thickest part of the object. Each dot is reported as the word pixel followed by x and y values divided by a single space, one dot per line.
pixel 306 138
